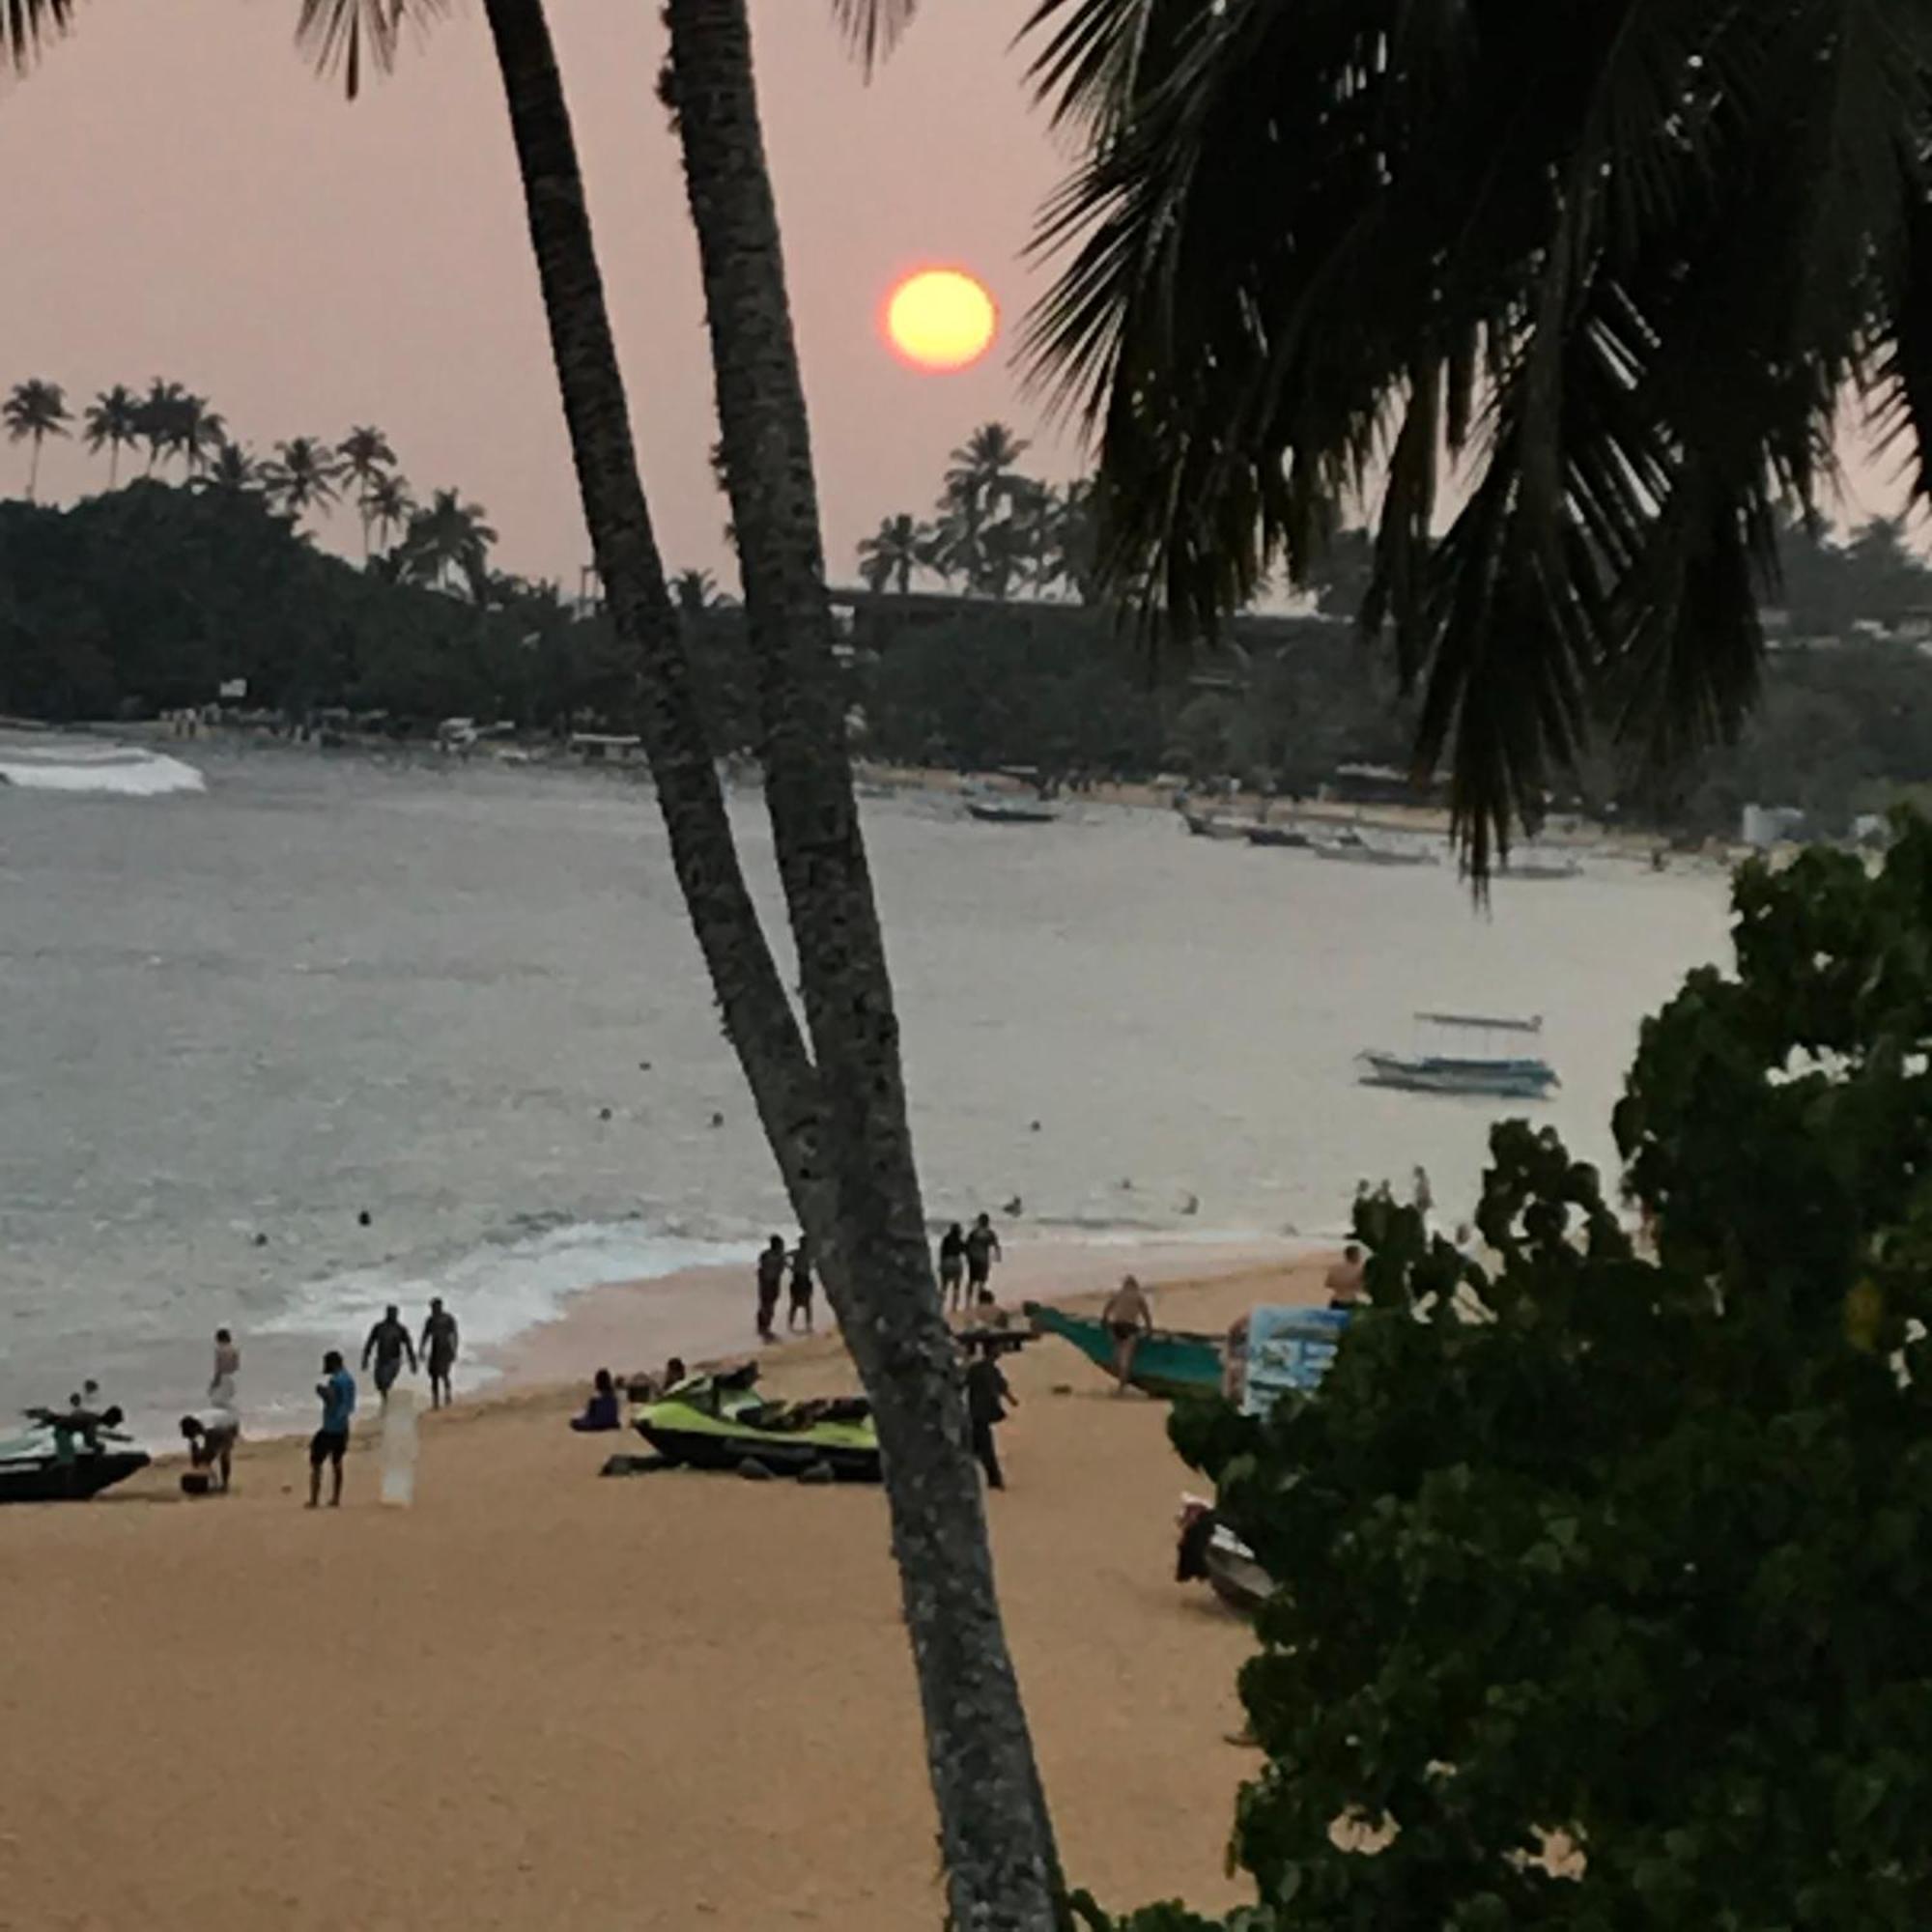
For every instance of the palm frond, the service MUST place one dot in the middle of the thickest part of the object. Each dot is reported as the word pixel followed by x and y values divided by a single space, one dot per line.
pixel 873 27
pixel 344 36
pixel 27 25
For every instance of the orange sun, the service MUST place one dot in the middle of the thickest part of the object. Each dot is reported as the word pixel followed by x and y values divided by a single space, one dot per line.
pixel 941 319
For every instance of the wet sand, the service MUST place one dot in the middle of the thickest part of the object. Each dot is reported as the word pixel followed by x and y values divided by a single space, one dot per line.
pixel 540 1699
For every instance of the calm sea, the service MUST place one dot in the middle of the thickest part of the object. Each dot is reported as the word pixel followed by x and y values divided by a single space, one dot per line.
pixel 464 1003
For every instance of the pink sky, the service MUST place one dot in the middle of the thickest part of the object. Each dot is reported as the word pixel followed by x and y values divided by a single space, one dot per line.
pixel 189 201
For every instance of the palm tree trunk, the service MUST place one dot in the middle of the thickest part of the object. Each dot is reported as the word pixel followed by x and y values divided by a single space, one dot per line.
pixel 34 468
pixel 757 1015
pixel 1002 1865
pixel 113 464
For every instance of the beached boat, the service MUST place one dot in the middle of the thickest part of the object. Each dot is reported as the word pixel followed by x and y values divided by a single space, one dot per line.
pixel 1168 1362
pixel 35 1469
pixel 719 1422
pixel 999 811
pixel 1285 836
pixel 1351 850
pixel 1508 1076
pixel 1214 825
pixel 1211 1551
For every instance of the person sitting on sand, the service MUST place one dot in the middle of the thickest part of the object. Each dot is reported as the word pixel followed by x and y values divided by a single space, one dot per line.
pixel 388 1343
pixel 440 1341
pixel 953 1267
pixel 601 1414
pixel 801 1287
pixel 771 1279
pixel 1347 1282
pixel 337 1392
pixel 1129 1316
pixel 982 1249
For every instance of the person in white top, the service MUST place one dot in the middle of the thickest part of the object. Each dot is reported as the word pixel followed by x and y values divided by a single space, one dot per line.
pixel 227 1368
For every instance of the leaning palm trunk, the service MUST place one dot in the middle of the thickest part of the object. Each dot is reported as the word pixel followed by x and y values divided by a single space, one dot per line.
pixel 996 1834
pixel 757 1015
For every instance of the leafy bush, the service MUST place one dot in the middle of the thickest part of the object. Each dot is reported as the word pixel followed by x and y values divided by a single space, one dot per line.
pixel 1603 1578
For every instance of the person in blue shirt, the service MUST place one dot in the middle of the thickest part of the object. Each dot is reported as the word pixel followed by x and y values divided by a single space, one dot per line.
pixel 330 1442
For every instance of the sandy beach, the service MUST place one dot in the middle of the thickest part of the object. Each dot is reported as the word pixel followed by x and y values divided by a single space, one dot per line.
pixel 540 1699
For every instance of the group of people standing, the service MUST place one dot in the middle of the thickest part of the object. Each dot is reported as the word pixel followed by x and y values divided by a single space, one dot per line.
pixel 773 1265
pixel 966 1257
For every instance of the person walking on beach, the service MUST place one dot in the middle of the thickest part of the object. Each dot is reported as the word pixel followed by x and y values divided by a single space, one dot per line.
pixel 336 1391
pixel 982 1249
pixel 1347 1282
pixel 801 1287
pixel 1129 1316
pixel 223 1381
pixel 388 1344
pixel 987 1395
pixel 771 1279
pixel 440 1341
pixel 953 1267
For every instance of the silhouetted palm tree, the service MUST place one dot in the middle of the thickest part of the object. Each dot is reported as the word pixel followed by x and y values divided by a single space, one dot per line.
pixel 694 592
pixel 303 476
pixel 194 431
pixel 113 423
pixel 231 472
pixel 891 554
pixel 448 539
pixel 33 412
pixel 366 457
pixel 388 506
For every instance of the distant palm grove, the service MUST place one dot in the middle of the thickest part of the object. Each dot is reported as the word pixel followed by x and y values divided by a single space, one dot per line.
pixel 194 567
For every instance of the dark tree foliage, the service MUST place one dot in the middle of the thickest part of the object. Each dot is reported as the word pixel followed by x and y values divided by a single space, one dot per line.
pixel 1603 1578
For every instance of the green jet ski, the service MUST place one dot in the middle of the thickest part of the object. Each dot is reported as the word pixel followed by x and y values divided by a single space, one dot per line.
pixel 721 1422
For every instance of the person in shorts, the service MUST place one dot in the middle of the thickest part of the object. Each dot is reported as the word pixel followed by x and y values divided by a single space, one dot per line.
pixel 1129 1316
pixel 389 1341
pixel 337 1392
pixel 982 1249
pixel 801 1288
pixel 439 1346
pixel 953 1267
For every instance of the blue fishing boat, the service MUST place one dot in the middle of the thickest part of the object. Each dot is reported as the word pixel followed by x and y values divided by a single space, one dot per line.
pixel 1500 1076
pixel 1168 1362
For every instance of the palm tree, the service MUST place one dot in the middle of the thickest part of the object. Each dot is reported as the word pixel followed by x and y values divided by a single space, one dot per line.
pixel 979 486
pixel 159 418
pixel 836 1121
pixel 387 505
pixel 448 539
pixel 303 476
pixel 33 412
pixel 231 472
pixel 996 1837
pixel 694 592
pixel 113 423
pixel 1620 268
pixel 1035 533
pixel 366 459
pixel 891 554
pixel 194 431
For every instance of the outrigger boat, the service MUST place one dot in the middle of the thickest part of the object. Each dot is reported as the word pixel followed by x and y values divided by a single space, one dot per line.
pixel 999 811
pixel 51 1463
pixel 1168 1362
pixel 720 1422
pixel 1286 836
pixel 1501 1076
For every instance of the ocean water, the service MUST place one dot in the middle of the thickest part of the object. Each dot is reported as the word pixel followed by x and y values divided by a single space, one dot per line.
pixel 463 1001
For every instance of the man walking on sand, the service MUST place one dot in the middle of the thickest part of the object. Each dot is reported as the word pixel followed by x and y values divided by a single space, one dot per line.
pixel 330 1443
pixel 987 1395
pixel 388 1343
pixel 982 1249
pixel 1129 1316
pixel 771 1280
pixel 439 1350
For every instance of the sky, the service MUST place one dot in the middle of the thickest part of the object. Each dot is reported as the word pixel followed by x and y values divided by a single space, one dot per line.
pixel 182 198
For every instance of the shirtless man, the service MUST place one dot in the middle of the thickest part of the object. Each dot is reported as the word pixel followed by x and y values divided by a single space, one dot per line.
pixel 1129 1316
pixel 1347 1282
pixel 388 1344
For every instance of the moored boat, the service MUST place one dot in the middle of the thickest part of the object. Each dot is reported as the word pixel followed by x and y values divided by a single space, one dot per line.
pixel 1354 851
pixel 1168 1362
pixel 1283 836
pixel 1508 1076
pixel 1217 825
pixel 999 811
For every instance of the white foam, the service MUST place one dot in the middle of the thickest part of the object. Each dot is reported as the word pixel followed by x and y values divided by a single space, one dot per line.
pixel 498 1291
pixel 89 765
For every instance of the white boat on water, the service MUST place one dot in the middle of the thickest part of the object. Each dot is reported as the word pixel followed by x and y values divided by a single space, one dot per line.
pixel 1494 1074
pixel 1350 848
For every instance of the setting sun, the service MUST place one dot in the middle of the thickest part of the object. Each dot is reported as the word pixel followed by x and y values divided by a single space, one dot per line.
pixel 941 319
